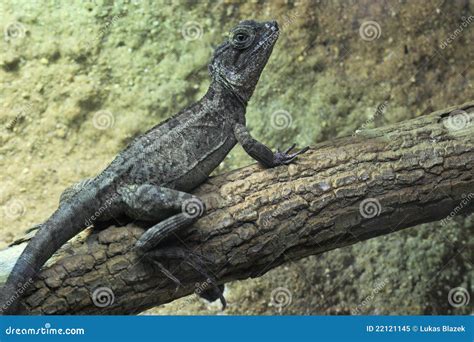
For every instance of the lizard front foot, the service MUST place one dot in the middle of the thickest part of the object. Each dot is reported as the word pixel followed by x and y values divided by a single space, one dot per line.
pixel 285 158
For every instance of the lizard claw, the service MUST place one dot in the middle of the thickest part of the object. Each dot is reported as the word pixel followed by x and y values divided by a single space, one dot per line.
pixel 284 158
pixel 288 150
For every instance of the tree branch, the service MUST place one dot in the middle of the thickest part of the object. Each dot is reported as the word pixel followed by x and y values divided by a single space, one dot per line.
pixel 338 193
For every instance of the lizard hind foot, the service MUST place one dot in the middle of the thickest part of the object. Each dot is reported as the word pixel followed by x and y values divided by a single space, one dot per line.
pixel 210 289
pixel 213 294
pixel 149 258
pixel 166 272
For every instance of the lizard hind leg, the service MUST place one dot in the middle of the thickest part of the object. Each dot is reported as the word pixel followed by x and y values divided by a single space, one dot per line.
pixel 162 231
pixel 176 210
pixel 150 201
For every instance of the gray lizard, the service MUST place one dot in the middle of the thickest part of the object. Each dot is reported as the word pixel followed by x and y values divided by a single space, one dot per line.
pixel 151 179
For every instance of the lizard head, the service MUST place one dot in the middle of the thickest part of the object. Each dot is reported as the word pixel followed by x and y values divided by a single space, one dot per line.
pixel 238 62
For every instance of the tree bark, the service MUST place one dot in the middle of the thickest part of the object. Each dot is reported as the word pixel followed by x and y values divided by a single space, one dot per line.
pixel 340 192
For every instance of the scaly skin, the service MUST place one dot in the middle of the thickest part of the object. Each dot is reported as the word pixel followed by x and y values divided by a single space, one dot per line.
pixel 151 178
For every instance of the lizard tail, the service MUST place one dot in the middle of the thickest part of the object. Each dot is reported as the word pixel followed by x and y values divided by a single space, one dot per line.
pixel 69 219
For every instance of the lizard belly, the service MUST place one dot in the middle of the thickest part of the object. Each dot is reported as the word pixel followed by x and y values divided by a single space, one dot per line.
pixel 183 162
pixel 198 146
pixel 204 165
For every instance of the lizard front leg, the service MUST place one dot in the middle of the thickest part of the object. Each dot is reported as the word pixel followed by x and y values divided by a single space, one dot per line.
pixel 262 153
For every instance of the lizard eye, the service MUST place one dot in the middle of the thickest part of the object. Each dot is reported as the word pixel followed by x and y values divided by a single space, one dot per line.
pixel 242 37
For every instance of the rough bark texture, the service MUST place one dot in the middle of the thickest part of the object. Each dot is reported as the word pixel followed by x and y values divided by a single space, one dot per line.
pixel 340 192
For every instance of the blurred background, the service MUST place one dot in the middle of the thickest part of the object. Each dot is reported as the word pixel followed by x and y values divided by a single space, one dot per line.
pixel 80 79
